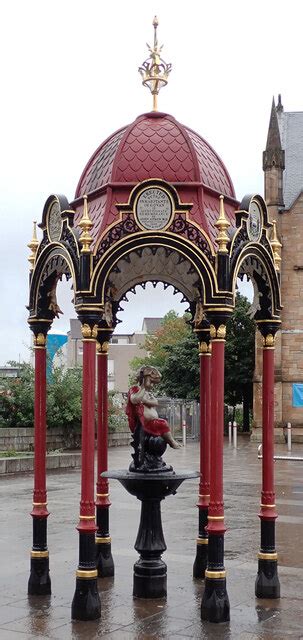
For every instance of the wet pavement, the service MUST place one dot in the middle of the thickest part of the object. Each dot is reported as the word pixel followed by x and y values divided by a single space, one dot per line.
pixel 125 618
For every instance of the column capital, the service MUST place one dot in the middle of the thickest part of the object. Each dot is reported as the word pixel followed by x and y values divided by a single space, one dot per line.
pixel 89 325
pixel 268 329
pixel 104 334
pixel 40 329
pixel 203 335
pixel 218 319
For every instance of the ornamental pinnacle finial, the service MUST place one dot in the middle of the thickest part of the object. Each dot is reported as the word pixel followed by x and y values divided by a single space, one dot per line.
pixel 155 70
pixel 33 246
pixel 222 225
pixel 276 246
pixel 85 224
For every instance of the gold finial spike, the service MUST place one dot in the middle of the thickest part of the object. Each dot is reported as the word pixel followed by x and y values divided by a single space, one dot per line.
pixel 154 70
pixel 33 246
pixel 222 225
pixel 276 246
pixel 85 224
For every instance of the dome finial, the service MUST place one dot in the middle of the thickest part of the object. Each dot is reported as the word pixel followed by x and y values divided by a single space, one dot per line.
pixel 155 70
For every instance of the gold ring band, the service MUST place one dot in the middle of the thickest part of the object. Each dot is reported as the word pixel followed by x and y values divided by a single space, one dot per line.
pixel 215 517
pixel 87 574
pixel 267 556
pixel 215 574
pixel 268 506
pixel 39 554
pixel 102 495
pixel 103 540
pixel 202 540
pixel 87 517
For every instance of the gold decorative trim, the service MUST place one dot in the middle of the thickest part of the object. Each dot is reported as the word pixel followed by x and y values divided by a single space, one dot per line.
pixel 39 504
pixel 40 340
pixel 268 506
pixel 204 348
pixel 106 540
pixel 222 225
pixel 33 246
pixel 217 334
pixel 215 574
pixel 86 517
pixel 102 495
pixel 39 554
pixel 89 333
pixel 85 225
pixel 215 517
pixel 202 540
pixel 87 575
pixel 204 495
pixel 276 246
pixel 269 340
pixel 69 263
pixel 267 556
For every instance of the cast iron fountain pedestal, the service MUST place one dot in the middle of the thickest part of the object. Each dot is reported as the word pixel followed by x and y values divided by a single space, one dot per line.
pixel 150 572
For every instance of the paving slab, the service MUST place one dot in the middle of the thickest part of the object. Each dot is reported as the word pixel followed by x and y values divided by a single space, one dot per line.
pixel 178 616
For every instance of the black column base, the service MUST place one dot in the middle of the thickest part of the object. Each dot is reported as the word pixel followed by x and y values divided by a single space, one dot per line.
pixel 267 580
pixel 200 563
pixel 215 602
pixel 104 559
pixel 86 603
pixel 39 583
pixel 150 578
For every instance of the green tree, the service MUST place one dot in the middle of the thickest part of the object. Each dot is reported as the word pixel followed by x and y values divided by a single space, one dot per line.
pixel 173 329
pixel 180 372
pixel 240 358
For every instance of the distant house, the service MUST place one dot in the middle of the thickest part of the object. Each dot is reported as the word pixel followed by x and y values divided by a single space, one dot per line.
pixel 123 348
pixel 9 372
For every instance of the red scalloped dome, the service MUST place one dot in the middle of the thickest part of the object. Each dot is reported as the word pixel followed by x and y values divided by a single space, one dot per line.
pixel 155 145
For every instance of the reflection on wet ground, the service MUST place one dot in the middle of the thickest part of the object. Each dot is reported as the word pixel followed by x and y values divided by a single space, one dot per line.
pixel 177 617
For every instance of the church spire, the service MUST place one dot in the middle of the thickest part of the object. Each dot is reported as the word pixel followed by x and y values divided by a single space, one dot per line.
pixel 273 156
pixel 274 160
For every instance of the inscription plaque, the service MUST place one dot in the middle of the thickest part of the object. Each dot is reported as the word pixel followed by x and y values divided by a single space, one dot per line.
pixel 54 222
pixel 154 208
pixel 254 226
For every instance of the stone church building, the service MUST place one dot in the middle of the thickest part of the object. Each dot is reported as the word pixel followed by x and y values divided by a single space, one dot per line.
pixel 283 182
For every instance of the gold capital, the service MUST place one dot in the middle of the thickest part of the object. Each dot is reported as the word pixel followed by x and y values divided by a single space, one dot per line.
pixel 269 340
pixel 40 340
pixel 219 333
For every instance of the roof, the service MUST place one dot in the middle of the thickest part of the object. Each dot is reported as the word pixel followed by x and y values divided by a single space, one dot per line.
pixel 155 145
pixel 151 324
pixel 291 132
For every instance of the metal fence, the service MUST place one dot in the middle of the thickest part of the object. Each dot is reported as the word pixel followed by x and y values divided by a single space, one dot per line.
pixel 177 411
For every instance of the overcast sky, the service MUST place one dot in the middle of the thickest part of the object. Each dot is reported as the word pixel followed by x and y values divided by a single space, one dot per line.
pixel 69 79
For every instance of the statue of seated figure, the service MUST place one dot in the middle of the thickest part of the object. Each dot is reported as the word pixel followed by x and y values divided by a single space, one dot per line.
pixel 150 432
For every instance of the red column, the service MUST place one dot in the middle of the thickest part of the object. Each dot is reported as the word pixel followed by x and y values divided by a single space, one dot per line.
pixel 87 504
pixel 267 509
pixel 200 562
pixel 39 495
pixel 205 389
pixel 267 581
pixel 39 580
pixel 102 483
pixel 86 603
pixel 215 602
pixel 216 505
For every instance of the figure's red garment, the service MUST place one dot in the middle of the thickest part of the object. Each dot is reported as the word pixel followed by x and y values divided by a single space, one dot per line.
pixel 156 427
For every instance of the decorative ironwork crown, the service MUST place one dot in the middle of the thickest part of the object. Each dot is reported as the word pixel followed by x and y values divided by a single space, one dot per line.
pixel 155 71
